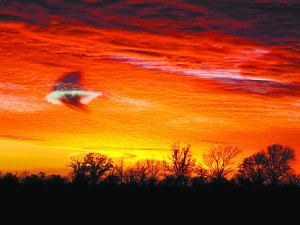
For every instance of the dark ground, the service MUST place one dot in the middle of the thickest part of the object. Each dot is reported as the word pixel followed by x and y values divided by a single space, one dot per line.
pixel 157 205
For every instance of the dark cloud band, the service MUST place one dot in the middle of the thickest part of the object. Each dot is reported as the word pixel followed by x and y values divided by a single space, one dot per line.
pixel 270 23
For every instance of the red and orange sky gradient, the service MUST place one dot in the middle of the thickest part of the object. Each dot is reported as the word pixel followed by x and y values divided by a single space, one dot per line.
pixel 199 72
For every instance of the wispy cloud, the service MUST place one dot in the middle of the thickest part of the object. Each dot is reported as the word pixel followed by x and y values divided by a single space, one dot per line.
pixel 21 104
pixel 230 77
pixel 11 86
pixel 19 138
pixel 134 104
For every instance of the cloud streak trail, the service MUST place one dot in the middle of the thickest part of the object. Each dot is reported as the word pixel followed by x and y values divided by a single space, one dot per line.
pixel 229 77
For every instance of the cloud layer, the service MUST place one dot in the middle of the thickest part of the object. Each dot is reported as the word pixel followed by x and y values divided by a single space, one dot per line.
pixel 188 70
pixel 270 22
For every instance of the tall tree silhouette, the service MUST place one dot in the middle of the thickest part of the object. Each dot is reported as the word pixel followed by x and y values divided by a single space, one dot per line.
pixel 270 165
pixel 90 169
pixel 119 171
pixel 221 161
pixel 78 175
pixel 144 172
pixel 155 170
pixel 96 165
pixel 181 164
pixel 130 176
pixel 278 161
pixel 201 177
pixel 141 172
pixel 252 170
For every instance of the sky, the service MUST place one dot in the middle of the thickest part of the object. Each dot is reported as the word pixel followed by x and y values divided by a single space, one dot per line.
pixel 149 74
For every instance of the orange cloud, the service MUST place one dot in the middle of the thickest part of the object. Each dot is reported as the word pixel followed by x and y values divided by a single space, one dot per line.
pixel 163 78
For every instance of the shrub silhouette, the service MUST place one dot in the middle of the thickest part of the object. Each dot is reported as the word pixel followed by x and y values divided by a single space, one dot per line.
pixel 9 180
pixel 55 181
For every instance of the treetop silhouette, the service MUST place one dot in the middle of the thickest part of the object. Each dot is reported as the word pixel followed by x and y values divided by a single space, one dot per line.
pixel 268 166
pixel 221 160
pixel 182 163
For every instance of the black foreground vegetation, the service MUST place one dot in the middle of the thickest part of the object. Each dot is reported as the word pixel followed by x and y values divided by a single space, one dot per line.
pixel 262 186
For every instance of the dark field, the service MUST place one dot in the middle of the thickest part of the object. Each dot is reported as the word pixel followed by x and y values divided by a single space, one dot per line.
pixel 159 205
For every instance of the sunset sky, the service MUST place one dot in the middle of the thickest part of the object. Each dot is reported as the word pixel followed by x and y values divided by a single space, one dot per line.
pixel 200 72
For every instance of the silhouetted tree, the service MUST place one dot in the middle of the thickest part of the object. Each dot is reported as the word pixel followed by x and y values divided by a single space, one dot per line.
pixel 220 161
pixel 23 174
pixel 130 176
pixel 252 170
pixel 278 161
pixel 55 181
pixel 42 175
pixel 90 169
pixel 96 165
pixel 110 180
pixel 34 180
pixel 182 164
pixel 292 179
pixel 119 171
pixel 141 172
pixel 268 166
pixel 79 173
pixel 155 171
pixel 169 180
pixel 146 172
pixel 9 179
pixel 201 176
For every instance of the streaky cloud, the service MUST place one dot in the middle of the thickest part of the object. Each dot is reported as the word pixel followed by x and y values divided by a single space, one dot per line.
pixel 230 77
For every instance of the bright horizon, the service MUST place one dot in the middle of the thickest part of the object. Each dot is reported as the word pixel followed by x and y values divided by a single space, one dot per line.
pixel 160 73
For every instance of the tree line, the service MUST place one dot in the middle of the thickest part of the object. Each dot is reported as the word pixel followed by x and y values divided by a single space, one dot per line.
pixel 272 166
